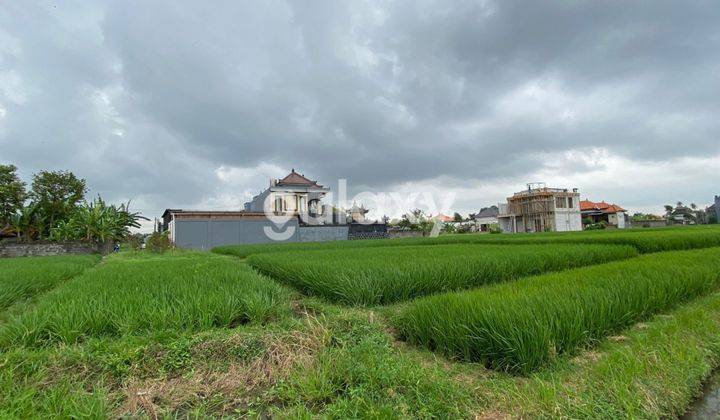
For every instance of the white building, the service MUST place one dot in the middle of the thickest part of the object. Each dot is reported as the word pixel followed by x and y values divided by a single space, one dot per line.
pixel 541 209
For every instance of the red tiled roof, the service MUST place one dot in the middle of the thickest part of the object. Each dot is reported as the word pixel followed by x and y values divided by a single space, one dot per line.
pixel 444 218
pixel 294 178
pixel 587 205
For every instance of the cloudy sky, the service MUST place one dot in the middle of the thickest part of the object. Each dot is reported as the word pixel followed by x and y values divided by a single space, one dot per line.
pixel 198 104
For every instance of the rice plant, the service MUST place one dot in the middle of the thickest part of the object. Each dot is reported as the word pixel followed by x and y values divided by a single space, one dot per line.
pixel 524 325
pixel 22 278
pixel 645 240
pixel 190 292
pixel 371 276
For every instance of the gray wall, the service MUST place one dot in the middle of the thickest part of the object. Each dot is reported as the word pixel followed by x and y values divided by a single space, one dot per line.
pixel 207 234
pixel 322 233
pixel 10 250
pixel 717 207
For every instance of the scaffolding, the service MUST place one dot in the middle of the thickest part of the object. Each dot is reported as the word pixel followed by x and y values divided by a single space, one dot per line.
pixel 533 210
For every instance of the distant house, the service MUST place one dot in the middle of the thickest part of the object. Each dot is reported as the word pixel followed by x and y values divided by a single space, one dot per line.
pixel 356 214
pixel 294 196
pixel 611 214
pixel 486 217
pixel 540 209
pixel 444 218
pixel 714 209
pixel 682 215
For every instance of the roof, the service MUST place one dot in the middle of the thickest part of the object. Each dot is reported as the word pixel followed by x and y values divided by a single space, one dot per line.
pixel 294 178
pixel 209 214
pixel 444 218
pixel 587 205
pixel 491 211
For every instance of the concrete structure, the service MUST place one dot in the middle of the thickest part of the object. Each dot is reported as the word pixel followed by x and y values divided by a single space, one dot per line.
pixel 296 198
pixel 540 209
pixel 716 207
pixel 207 229
pixel 612 214
pixel 293 195
pixel 357 214
pixel 486 217
pixel 649 223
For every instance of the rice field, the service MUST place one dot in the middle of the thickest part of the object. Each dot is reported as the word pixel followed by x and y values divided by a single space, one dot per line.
pixel 524 325
pixel 377 276
pixel 189 292
pixel 645 240
pixel 23 278
pixel 609 324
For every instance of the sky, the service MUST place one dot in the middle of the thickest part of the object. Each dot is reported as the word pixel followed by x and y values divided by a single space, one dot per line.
pixel 196 105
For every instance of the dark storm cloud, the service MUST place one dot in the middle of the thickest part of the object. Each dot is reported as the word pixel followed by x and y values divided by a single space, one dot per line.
pixel 150 99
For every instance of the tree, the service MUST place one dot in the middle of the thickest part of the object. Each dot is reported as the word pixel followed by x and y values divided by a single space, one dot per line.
pixel 57 194
pixel 12 194
pixel 668 208
pixel 97 221
pixel 27 222
pixel 457 217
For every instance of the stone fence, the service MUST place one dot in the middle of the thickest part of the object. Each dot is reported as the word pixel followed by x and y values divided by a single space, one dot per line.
pixel 42 249
pixel 395 234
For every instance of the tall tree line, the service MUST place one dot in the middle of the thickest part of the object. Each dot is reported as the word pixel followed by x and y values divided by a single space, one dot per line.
pixel 55 208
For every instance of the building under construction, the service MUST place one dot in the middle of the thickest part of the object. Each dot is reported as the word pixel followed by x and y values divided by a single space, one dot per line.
pixel 541 209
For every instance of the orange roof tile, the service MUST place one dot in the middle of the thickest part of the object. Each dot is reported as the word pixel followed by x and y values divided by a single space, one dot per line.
pixel 586 205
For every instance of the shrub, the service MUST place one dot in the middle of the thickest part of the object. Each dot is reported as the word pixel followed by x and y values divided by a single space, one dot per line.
pixel 159 242
pixel 384 275
pixel 524 325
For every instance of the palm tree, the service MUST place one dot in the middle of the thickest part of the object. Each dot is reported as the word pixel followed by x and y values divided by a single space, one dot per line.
pixel 28 222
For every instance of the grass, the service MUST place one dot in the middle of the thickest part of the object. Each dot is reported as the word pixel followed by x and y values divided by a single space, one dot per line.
pixel 652 370
pixel 307 358
pixel 371 276
pixel 645 240
pixel 23 278
pixel 525 325
pixel 137 295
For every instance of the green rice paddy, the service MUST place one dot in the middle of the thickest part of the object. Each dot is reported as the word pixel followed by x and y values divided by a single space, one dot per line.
pixel 604 324
pixel 136 295
pixel 523 325
pixel 23 278
pixel 375 276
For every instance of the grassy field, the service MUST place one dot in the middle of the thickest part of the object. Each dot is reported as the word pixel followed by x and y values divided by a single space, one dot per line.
pixel 133 295
pixel 524 325
pixel 372 276
pixel 200 335
pixel 23 278
pixel 645 240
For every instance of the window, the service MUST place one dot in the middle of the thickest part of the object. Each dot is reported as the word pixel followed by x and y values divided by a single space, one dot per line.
pixel 559 202
pixel 570 202
pixel 278 204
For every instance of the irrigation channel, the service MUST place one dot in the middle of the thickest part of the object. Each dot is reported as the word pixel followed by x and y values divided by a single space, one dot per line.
pixel 708 405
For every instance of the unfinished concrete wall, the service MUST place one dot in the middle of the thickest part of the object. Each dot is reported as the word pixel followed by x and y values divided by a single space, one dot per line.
pixel 568 220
